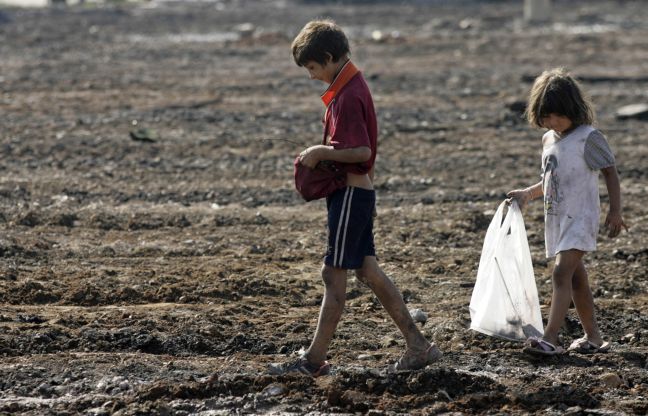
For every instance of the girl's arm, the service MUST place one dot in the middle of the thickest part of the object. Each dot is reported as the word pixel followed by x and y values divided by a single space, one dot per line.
pixel 523 196
pixel 614 220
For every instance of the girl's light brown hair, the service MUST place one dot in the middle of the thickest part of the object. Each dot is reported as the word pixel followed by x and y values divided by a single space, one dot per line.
pixel 317 40
pixel 556 91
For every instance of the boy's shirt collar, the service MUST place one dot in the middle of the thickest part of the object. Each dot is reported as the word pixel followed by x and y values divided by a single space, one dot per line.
pixel 347 72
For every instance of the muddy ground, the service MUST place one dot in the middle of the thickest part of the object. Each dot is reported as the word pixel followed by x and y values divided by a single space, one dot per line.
pixel 154 257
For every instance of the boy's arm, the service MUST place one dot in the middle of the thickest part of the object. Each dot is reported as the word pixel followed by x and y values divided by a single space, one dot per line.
pixel 523 196
pixel 614 220
pixel 314 154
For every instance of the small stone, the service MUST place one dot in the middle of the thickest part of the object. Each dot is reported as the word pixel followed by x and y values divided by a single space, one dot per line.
pixel 274 389
pixel 372 383
pixel 574 410
pixel 611 380
pixel 377 36
pixel 389 342
pixel 443 395
pixel 518 107
pixel 245 30
pixel 418 316
pixel 44 389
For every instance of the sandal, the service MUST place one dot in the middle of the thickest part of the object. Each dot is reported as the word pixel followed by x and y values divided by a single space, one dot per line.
pixel 585 346
pixel 538 346
pixel 412 360
pixel 300 365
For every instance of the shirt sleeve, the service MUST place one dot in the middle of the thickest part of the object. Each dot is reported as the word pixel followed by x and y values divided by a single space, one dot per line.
pixel 349 125
pixel 598 154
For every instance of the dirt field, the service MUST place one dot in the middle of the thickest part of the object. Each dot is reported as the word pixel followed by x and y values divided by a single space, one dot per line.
pixel 154 257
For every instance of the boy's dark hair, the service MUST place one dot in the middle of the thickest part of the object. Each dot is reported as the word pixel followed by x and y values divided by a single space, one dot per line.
pixel 317 39
pixel 555 91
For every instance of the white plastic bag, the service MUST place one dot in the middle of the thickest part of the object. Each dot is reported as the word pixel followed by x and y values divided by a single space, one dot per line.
pixel 504 301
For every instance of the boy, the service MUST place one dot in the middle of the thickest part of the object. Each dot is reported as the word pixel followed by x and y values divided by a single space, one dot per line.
pixel 351 131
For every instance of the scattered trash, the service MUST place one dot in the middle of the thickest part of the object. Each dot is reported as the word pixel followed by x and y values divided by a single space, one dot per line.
pixel 633 111
pixel 245 30
pixel 144 135
pixel 380 36
pixel 468 23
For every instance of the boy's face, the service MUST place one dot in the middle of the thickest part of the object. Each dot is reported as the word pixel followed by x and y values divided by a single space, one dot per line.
pixel 556 122
pixel 325 73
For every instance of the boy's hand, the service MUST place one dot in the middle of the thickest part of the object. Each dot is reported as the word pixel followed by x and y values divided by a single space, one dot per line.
pixel 312 156
pixel 521 196
pixel 614 223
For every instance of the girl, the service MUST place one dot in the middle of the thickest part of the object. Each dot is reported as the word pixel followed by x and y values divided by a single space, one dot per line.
pixel 573 153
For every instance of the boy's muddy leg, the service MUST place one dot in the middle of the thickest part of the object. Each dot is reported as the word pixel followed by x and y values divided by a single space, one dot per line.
pixel 582 297
pixel 392 301
pixel 566 264
pixel 332 306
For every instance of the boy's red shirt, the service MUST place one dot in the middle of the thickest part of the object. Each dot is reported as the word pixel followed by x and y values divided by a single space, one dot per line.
pixel 350 119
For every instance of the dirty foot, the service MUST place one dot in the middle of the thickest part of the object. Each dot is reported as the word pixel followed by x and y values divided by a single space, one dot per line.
pixel 415 360
pixel 300 365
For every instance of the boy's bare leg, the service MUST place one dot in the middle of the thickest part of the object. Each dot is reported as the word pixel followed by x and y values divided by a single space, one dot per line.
pixel 332 307
pixel 584 301
pixel 566 264
pixel 392 301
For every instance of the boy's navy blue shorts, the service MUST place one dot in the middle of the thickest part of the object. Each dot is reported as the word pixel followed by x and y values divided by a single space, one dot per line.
pixel 350 227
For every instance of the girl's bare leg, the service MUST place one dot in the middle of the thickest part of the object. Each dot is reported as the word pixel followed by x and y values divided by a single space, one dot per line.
pixel 584 301
pixel 566 264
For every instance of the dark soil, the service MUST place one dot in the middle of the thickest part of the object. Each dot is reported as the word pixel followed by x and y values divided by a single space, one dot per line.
pixel 154 257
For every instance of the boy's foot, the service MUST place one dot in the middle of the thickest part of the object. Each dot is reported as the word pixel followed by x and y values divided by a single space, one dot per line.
pixel 300 365
pixel 415 360
pixel 585 346
pixel 538 346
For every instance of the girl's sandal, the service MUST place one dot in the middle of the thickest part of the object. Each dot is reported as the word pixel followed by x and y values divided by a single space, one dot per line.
pixel 585 346
pixel 538 346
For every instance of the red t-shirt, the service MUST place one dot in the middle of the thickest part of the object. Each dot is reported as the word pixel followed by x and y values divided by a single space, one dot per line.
pixel 350 121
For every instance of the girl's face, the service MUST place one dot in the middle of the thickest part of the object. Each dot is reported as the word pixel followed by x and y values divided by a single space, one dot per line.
pixel 557 123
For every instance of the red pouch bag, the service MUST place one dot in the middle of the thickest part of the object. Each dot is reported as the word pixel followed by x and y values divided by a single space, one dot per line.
pixel 320 182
